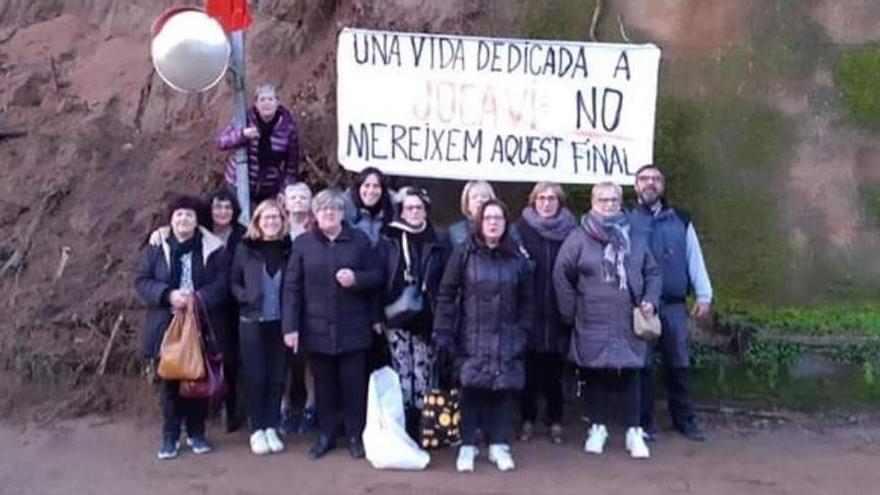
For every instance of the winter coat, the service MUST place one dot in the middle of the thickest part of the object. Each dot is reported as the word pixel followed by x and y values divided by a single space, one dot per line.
pixel 227 326
pixel 331 319
pixel 246 277
pixel 153 284
pixel 428 265
pixel 601 313
pixel 548 334
pixel 285 143
pixel 484 305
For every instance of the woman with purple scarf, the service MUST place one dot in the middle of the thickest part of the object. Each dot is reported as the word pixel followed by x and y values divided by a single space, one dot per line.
pixel 602 272
pixel 544 224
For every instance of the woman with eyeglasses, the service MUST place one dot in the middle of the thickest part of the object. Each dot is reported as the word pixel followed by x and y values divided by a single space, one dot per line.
pixel 483 314
pixel 415 257
pixel 603 271
pixel 544 224
pixel 329 312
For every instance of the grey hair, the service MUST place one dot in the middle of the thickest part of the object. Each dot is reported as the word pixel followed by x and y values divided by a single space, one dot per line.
pixel 299 186
pixel 606 185
pixel 333 198
pixel 265 88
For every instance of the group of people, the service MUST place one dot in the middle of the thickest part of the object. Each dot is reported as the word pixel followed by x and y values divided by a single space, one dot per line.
pixel 504 302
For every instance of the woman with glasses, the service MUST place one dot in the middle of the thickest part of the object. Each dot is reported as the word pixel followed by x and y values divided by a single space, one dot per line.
pixel 483 313
pixel 544 224
pixel 329 311
pixel 415 257
pixel 256 281
pixel 602 272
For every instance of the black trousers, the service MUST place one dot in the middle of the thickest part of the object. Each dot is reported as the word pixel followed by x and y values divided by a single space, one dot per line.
pixel 177 410
pixel 263 356
pixel 605 387
pixel 489 411
pixel 230 375
pixel 341 391
pixel 543 377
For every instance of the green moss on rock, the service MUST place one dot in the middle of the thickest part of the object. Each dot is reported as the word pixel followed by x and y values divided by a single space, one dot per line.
pixel 857 76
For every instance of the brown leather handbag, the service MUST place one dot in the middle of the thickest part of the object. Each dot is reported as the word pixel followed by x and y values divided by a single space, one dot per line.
pixel 180 355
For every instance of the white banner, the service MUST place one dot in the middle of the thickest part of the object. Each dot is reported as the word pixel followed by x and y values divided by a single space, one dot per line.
pixel 457 107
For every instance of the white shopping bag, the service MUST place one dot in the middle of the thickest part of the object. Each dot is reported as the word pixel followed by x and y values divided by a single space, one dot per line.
pixel 386 442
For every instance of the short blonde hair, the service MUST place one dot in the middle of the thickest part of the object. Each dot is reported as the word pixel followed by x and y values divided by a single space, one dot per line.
pixel 466 190
pixel 553 187
pixel 255 232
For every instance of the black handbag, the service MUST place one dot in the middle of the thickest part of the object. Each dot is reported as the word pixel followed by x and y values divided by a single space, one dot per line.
pixel 411 301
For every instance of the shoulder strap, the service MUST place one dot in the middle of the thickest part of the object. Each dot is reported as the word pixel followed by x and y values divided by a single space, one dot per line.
pixel 407 269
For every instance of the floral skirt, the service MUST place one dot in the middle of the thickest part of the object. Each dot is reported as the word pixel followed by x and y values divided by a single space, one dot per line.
pixel 412 357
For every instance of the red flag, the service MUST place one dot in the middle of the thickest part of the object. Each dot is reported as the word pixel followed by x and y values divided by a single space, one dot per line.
pixel 232 14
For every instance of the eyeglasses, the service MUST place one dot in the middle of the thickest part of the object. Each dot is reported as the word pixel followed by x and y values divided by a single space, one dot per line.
pixel 650 178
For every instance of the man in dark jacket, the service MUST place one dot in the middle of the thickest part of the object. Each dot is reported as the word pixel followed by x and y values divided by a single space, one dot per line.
pixel 330 291
pixel 676 248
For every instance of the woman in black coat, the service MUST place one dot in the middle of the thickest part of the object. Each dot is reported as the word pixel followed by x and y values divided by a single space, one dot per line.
pixel 484 308
pixel 225 211
pixel 256 281
pixel 330 308
pixel 189 262
pixel 415 256
pixel 544 224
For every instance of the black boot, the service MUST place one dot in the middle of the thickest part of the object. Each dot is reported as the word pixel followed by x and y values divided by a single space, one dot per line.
pixel 356 448
pixel 322 446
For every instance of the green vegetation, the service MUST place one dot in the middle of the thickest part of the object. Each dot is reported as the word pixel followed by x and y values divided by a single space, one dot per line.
pixel 721 159
pixel 857 76
pixel 814 320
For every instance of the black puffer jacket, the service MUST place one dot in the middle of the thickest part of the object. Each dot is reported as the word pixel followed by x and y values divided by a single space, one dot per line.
pixel 428 264
pixel 246 277
pixel 331 319
pixel 486 293
pixel 153 284
pixel 548 334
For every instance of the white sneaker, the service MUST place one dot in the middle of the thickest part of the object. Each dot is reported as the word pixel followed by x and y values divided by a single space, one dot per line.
pixel 259 445
pixel 499 453
pixel 635 444
pixel 273 441
pixel 596 438
pixel 465 461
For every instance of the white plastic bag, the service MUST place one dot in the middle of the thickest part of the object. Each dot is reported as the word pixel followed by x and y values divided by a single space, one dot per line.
pixel 386 442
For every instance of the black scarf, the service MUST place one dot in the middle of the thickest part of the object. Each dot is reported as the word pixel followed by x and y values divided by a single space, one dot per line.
pixel 267 158
pixel 178 250
pixel 274 254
